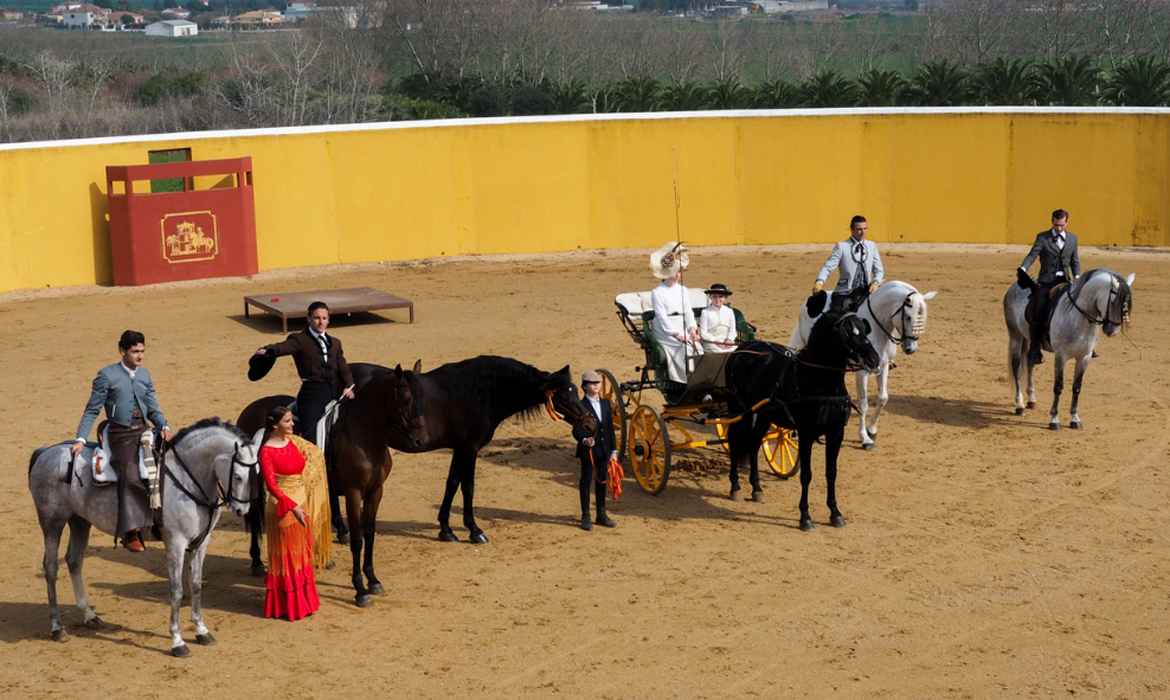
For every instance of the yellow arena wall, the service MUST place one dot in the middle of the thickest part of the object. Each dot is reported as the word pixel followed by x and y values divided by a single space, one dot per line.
pixel 400 191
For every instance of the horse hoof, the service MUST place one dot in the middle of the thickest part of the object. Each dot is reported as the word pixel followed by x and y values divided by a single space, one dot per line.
pixel 1075 425
pixel 868 447
pixel 60 635
pixel 180 652
pixel 205 640
pixel 447 536
pixel 737 495
pixel 330 565
pixel 837 521
pixel 1019 411
pixel 259 570
pixel 376 589
pixel 807 525
pixel 363 601
pixel 758 497
pixel 1054 426
pixel 343 538
pixel 1031 404
pixel 94 623
pixel 478 538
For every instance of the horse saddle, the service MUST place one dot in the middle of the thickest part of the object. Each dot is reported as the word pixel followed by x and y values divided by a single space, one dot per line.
pixel 96 458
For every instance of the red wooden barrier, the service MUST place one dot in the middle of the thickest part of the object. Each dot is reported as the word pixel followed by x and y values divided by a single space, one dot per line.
pixel 172 236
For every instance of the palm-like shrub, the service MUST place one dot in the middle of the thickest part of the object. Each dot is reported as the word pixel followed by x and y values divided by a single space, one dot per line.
pixel 1004 81
pixel 775 94
pixel 1068 81
pixel 828 88
pixel 569 98
pixel 636 94
pixel 727 94
pixel 880 88
pixel 939 84
pixel 683 97
pixel 1141 81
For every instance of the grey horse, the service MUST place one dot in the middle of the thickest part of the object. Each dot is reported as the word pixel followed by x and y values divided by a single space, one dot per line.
pixel 205 460
pixel 1098 299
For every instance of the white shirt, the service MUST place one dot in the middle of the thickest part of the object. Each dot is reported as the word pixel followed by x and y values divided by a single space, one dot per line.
pixel 1058 238
pixel 672 310
pixel 320 338
pixel 132 372
pixel 717 324
pixel 596 404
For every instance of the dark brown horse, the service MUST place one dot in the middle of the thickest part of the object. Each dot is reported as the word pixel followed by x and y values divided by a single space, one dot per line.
pixel 386 407
pixel 466 401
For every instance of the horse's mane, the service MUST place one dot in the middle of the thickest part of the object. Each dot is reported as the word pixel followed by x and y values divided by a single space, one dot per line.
pixel 1124 301
pixel 214 422
pixel 496 386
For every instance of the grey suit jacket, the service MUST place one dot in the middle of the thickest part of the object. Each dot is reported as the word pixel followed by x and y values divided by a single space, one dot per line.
pixel 855 269
pixel 113 389
pixel 1053 259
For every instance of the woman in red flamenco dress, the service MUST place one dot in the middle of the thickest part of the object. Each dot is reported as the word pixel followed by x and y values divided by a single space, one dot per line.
pixel 290 583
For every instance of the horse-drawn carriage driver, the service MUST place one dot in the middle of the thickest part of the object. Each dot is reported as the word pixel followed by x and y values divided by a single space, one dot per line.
pixel 674 326
pixel 126 390
pixel 1057 250
pixel 859 264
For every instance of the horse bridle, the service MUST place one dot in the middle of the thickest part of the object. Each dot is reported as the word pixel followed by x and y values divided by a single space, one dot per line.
pixel 407 426
pixel 843 336
pixel 1114 295
pixel 223 496
pixel 907 303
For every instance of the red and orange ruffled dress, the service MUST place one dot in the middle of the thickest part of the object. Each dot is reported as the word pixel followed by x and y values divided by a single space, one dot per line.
pixel 290 582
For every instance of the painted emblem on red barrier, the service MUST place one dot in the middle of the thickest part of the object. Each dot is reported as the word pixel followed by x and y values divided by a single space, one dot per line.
pixel 190 236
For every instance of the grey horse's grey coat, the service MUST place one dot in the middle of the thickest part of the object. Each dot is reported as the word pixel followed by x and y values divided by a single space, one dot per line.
pixel 1098 299
pixel 216 454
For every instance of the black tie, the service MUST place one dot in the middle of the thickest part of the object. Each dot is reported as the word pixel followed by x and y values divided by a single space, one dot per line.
pixel 324 343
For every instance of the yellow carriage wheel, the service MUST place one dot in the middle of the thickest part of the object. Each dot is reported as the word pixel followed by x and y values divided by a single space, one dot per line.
pixel 781 452
pixel 649 449
pixel 612 391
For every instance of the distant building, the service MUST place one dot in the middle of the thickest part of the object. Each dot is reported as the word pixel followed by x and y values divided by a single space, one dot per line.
pixel 11 15
pixel 176 13
pixel 85 16
pixel 297 11
pixel 172 28
pixel 259 19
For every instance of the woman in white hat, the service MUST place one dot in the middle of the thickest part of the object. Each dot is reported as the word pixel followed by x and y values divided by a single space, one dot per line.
pixel 717 322
pixel 674 325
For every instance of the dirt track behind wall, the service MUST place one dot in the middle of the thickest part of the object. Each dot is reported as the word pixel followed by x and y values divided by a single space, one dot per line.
pixel 985 555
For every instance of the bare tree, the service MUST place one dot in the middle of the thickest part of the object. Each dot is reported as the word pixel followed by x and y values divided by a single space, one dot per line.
pixel 727 51
pixel 55 76
pixel 974 31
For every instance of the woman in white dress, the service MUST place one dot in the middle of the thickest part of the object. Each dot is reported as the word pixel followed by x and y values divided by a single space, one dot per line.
pixel 674 325
pixel 717 322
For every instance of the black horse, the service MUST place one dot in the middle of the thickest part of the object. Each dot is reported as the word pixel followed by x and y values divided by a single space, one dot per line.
pixel 465 403
pixel 802 391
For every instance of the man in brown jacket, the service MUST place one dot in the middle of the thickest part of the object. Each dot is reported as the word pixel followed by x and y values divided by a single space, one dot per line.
pixel 321 365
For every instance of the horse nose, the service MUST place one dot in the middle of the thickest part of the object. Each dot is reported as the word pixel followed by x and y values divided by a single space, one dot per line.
pixel 418 443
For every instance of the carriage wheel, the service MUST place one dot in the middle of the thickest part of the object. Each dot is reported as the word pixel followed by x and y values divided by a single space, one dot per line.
pixel 649 449
pixel 780 451
pixel 611 390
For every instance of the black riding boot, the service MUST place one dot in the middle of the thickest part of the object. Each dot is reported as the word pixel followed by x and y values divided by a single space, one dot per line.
pixel 602 518
pixel 1036 351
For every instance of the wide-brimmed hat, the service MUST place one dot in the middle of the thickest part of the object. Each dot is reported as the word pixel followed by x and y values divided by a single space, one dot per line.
pixel 590 376
pixel 258 365
pixel 668 260
pixel 719 289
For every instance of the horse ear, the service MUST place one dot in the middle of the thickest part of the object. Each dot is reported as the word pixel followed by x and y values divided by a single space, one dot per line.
pixel 1129 280
pixel 565 371
pixel 417 366
pixel 929 295
pixel 398 371
pixel 868 328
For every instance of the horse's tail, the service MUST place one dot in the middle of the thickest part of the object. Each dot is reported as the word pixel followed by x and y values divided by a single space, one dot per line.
pixel 33 460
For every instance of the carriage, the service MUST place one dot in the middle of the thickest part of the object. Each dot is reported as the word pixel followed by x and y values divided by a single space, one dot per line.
pixel 645 432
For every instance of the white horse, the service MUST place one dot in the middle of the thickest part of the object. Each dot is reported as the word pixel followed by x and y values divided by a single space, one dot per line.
pixel 896 312
pixel 208 464
pixel 1099 298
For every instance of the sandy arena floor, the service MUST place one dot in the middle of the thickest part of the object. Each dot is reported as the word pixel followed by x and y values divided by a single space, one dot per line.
pixel 985 556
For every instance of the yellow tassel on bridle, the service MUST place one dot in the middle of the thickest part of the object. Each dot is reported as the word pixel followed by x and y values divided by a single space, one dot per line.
pixel 552 411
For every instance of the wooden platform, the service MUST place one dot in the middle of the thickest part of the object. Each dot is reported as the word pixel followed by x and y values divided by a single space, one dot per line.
pixel 341 301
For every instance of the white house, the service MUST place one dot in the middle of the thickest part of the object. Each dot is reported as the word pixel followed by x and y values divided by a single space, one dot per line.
pixel 172 28
pixel 85 16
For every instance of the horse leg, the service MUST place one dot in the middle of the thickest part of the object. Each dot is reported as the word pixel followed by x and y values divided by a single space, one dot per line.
pixel 369 529
pixel 335 506
pixel 1017 352
pixel 467 479
pixel 804 449
pixel 1074 421
pixel 863 408
pixel 754 462
pixel 74 558
pixel 202 634
pixel 832 450
pixel 1057 390
pixel 255 521
pixel 735 441
pixel 176 553
pixel 446 534
pixel 353 512
pixel 1031 368
pixel 882 399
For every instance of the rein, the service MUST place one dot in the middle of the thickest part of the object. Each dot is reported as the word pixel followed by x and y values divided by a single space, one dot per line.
pixel 906 303
pixel 202 499
pixel 407 426
pixel 1114 294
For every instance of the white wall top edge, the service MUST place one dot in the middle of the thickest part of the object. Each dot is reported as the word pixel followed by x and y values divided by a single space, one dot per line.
pixel 636 116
